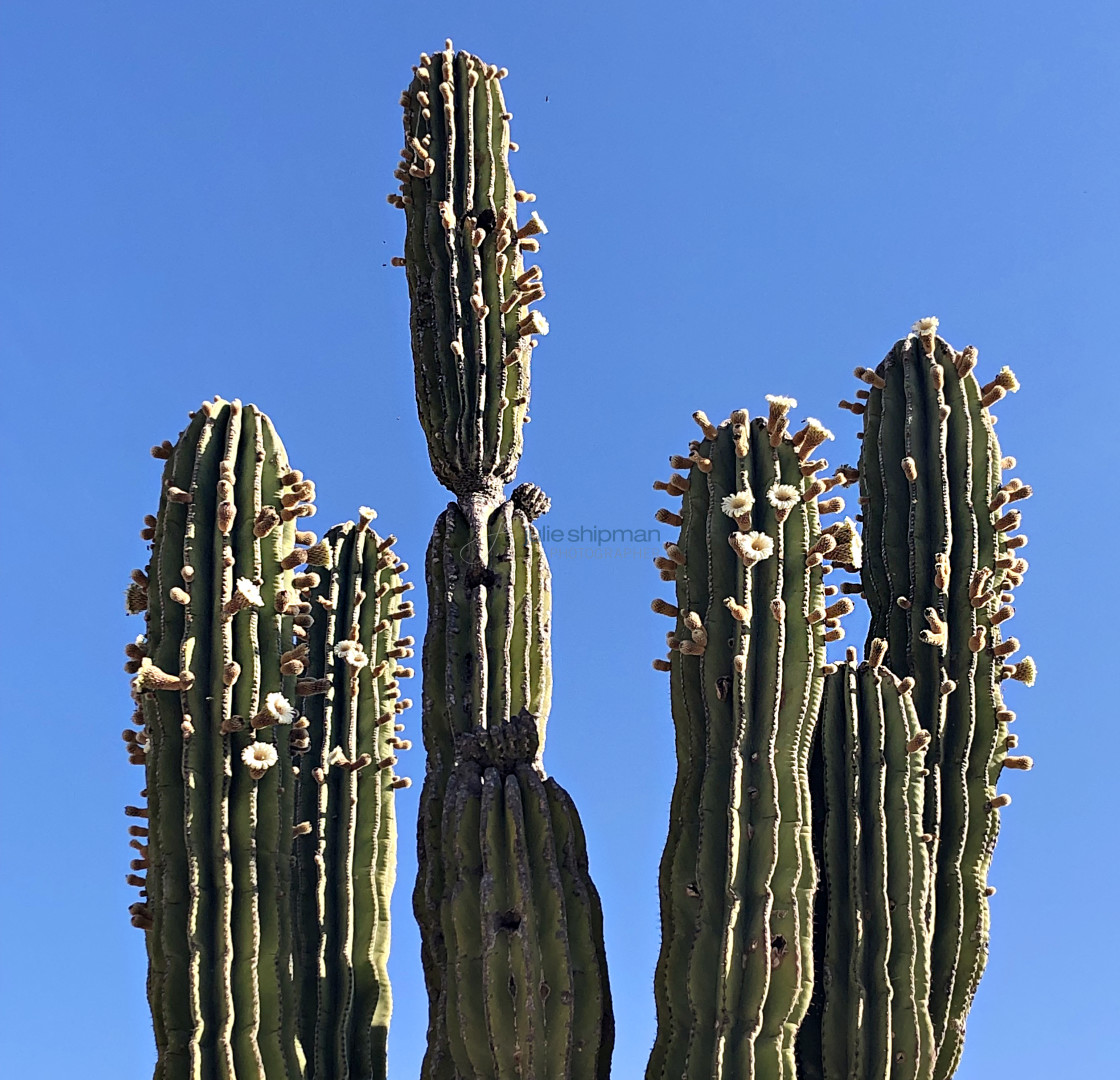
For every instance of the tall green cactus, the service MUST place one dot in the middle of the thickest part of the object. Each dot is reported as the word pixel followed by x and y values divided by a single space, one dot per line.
pixel 215 679
pixel 824 883
pixel 510 922
pixel 215 713
pixel 346 847
pixel 939 568
pixel 896 808
pixel 747 651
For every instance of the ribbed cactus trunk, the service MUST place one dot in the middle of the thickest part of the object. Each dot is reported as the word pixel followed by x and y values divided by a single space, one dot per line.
pixel 511 925
pixel 870 1015
pixel 940 563
pixel 256 970
pixel 746 654
pixel 345 854
pixel 214 707
pixel 902 927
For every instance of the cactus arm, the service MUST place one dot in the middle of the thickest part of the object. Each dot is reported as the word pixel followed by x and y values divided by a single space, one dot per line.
pixel 469 352
pixel 346 838
pixel 743 739
pixel 219 943
pixel 490 596
pixel 964 457
pixel 987 746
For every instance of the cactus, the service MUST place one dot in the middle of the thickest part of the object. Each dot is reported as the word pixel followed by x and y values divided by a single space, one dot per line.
pixel 346 843
pixel 746 658
pixel 938 569
pixel 870 1012
pixel 215 679
pixel 898 813
pixel 824 883
pixel 510 922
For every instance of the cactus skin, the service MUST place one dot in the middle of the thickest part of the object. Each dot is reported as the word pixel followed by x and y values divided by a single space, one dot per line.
pixel 219 932
pixel 929 408
pixel 503 895
pixel 345 863
pixel 871 1014
pixel 746 684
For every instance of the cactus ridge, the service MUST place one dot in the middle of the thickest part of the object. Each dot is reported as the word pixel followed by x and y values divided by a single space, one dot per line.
pixel 745 672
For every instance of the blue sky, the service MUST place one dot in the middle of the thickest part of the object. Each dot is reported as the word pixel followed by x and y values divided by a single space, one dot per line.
pixel 743 199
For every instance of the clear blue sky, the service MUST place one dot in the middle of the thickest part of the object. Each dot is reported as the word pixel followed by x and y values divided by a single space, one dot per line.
pixel 743 198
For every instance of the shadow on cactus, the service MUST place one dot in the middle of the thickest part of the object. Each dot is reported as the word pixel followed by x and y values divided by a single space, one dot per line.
pixel 824 890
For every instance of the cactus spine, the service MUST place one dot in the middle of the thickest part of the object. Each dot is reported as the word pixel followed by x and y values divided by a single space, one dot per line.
pixel 215 679
pixel 510 922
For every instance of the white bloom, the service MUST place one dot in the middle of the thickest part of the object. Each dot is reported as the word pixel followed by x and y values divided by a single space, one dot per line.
pixel 278 706
pixel 760 544
pixel 783 496
pixel 351 652
pixel 928 325
pixel 782 402
pixel 738 504
pixel 259 757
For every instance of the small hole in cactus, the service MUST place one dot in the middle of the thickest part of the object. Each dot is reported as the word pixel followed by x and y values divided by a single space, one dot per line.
pixel 486 220
pixel 510 920
pixel 480 575
pixel 778 945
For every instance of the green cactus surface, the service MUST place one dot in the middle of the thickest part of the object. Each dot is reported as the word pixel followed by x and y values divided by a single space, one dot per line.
pixel 751 619
pixel 472 329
